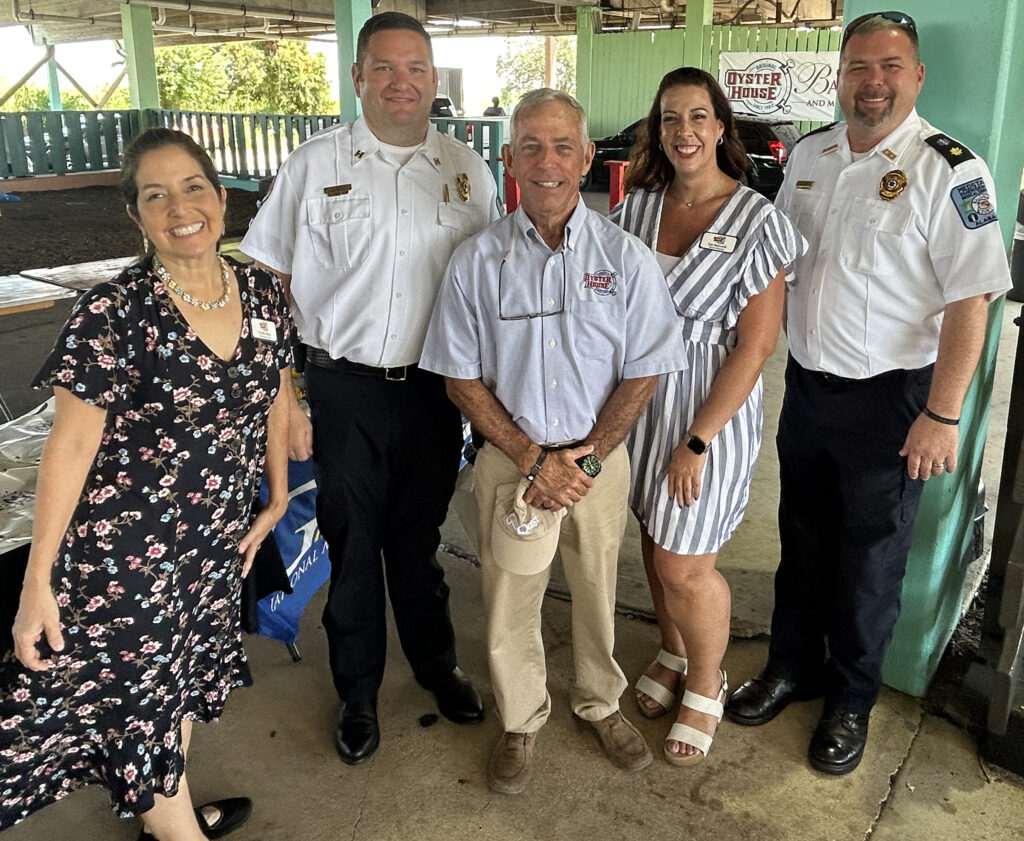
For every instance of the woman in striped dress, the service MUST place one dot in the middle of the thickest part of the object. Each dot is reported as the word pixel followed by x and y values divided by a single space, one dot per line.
pixel 724 250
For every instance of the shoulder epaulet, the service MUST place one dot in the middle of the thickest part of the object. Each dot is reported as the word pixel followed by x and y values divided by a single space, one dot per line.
pixel 817 131
pixel 954 153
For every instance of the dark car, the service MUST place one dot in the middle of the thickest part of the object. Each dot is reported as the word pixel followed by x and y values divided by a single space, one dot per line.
pixel 768 143
pixel 442 107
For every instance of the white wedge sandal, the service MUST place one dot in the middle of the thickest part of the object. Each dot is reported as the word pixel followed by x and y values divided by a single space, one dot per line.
pixel 685 734
pixel 664 697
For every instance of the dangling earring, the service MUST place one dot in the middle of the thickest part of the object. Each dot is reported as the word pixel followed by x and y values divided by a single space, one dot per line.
pixel 145 243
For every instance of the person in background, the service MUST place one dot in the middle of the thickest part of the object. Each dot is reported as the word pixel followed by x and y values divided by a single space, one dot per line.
pixel 551 328
pixel 360 225
pixel 170 385
pixel 724 251
pixel 494 109
pixel 885 322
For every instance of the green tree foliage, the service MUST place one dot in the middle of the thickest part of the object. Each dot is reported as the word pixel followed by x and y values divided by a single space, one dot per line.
pixel 277 77
pixel 521 66
pixel 193 77
pixel 261 77
pixel 36 98
pixel 246 77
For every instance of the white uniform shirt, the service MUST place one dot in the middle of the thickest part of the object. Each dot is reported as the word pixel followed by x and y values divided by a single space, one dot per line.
pixel 869 293
pixel 366 241
pixel 614 320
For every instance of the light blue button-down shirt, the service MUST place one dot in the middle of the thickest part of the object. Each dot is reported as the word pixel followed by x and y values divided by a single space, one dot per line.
pixel 609 318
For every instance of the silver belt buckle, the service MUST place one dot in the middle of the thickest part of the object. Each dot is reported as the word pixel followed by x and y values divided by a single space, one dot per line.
pixel 398 377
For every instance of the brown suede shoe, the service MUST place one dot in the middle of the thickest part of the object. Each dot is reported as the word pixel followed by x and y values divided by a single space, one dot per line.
pixel 622 742
pixel 510 766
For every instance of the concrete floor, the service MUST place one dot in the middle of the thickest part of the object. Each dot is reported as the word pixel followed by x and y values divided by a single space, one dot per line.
pixel 921 780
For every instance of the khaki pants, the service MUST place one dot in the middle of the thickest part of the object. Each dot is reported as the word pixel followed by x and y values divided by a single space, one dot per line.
pixel 589 541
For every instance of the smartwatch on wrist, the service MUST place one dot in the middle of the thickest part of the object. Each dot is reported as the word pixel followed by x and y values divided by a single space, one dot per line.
pixel 695 444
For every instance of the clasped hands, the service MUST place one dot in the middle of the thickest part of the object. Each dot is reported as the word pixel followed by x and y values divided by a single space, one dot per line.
pixel 560 483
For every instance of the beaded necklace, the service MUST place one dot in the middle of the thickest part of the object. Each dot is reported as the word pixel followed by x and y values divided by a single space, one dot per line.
pixel 206 306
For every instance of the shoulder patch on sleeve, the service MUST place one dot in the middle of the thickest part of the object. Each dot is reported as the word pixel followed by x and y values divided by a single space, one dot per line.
pixel 817 131
pixel 972 201
pixel 954 153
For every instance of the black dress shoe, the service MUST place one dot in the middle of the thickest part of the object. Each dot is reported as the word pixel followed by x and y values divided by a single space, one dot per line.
pixel 457 698
pixel 233 812
pixel 838 744
pixel 357 735
pixel 762 698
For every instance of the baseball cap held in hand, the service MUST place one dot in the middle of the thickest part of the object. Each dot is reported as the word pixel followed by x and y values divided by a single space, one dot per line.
pixel 523 538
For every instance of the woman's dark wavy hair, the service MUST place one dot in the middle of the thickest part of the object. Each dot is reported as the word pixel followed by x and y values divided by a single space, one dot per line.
pixel 149 141
pixel 649 168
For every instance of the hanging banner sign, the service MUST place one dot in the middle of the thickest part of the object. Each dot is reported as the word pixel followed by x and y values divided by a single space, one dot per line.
pixel 789 86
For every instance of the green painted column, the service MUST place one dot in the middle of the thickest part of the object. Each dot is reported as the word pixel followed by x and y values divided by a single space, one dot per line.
pixel 140 56
pixel 53 83
pixel 973 91
pixel 349 17
pixel 584 53
pixel 698 25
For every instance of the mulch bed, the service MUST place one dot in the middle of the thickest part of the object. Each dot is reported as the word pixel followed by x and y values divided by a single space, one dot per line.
pixel 62 227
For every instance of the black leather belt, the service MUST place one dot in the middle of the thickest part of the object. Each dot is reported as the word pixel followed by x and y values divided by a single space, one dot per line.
pixel 322 359
pixel 878 378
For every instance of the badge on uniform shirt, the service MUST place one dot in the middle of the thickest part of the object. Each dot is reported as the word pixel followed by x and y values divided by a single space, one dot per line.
pixel 804 185
pixel 718 242
pixel 338 190
pixel 893 183
pixel 263 329
pixel 462 186
pixel 973 203
pixel 890 154
pixel 829 149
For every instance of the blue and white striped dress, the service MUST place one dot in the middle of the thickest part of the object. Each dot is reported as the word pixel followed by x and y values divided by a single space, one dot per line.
pixel 710 288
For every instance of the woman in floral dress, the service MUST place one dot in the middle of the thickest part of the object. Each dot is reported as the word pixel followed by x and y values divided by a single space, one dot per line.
pixel 168 384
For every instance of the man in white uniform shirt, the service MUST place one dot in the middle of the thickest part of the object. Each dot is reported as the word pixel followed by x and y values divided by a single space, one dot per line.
pixel 886 319
pixel 551 328
pixel 361 222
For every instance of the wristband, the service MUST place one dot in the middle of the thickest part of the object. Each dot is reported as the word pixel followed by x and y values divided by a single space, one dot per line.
pixel 928 413
pixel 537 466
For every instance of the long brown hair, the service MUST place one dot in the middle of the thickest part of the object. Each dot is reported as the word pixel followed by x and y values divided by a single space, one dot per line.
pixel 649 168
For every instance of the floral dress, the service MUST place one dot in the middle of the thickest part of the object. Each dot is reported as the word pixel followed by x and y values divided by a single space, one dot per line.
pixel 148 577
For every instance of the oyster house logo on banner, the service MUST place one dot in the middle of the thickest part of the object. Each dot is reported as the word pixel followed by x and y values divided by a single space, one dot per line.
pixel 787 86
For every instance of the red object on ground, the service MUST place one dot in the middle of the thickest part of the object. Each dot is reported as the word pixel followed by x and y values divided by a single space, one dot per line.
pixel 511 193
pixel 616 177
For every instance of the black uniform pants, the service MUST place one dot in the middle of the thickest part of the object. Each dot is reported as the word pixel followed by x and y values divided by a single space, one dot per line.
pixel 387 455
pixel 846 521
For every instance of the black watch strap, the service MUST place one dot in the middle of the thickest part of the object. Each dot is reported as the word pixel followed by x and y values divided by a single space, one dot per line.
pixel 537 465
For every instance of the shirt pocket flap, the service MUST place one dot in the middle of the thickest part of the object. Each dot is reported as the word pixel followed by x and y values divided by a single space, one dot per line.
pixel 460 218
pixel 877 215
pixel 325 210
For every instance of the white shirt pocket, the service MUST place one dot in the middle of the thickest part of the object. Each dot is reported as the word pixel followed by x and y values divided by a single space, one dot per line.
pixel 873 236
pixel 339 227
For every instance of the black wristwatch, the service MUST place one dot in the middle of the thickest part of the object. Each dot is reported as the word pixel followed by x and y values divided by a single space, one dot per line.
pixel 589 464
pixel 697 445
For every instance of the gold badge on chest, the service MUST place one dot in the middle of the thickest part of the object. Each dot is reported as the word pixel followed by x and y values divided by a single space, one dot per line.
pixel 893 183
pixel 462 186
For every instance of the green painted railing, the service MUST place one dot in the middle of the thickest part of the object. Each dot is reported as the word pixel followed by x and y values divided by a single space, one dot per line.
pixel 244 147
pixel 59 142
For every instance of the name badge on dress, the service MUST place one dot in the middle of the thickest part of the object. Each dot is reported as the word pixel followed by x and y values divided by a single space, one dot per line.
pixel 263 329
pixel 718 242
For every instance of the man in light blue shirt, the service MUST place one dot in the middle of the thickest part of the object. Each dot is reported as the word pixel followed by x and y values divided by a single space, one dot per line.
pixel 550 329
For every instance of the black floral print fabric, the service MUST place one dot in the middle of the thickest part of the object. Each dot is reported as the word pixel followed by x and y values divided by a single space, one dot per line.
pixel 148 578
